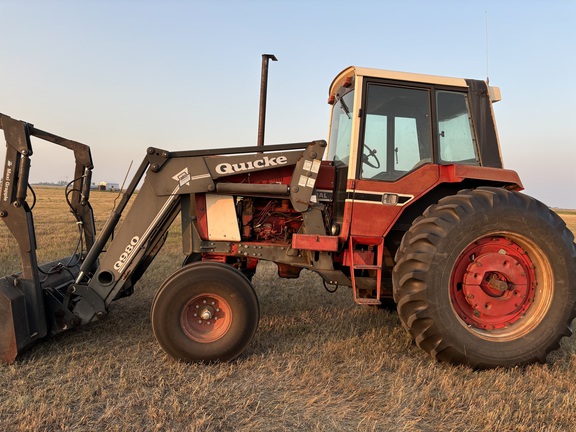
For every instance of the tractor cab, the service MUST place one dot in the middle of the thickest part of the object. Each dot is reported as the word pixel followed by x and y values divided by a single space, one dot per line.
pixel 396 136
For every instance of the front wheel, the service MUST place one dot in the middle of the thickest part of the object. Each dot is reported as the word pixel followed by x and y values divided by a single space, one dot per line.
pixel 487 278
pixel 205 312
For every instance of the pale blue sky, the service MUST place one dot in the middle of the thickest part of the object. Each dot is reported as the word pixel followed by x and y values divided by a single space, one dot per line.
pixel 124 75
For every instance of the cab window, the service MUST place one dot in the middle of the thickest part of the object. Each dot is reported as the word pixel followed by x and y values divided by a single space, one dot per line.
pixel 396 131
pixel 341 129
pixel 456 143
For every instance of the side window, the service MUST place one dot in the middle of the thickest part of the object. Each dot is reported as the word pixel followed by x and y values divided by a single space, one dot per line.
pixel 396 131
pixel 455 129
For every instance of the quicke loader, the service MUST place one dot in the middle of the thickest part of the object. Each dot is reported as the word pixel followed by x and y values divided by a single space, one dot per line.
pixel 408 202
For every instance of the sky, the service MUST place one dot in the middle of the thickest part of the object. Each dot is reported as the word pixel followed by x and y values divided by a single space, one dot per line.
pixel 124 75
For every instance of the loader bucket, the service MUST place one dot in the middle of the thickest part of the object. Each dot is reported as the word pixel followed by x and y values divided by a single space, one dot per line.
pixel 12 320
pixel 21 324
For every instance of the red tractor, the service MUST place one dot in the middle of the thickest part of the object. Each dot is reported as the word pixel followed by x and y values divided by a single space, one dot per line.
pixel 407 203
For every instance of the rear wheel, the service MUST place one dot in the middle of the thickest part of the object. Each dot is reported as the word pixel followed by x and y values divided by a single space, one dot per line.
pixel 487 278
pixel 205 311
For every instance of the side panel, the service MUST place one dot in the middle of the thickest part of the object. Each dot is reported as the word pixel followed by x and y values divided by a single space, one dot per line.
pixel 222 219
pixel 377 204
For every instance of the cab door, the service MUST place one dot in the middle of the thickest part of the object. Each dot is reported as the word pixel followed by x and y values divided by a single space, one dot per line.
pixel 395 155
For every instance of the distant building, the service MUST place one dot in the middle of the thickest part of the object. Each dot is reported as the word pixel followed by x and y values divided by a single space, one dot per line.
pixel 105 186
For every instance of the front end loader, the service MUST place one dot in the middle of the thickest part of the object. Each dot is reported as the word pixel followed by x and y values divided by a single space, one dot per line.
pixel 46 300
pixel 408 204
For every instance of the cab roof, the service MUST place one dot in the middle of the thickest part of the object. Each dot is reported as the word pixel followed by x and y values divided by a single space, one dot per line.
pixel 394 75
pixel 350 71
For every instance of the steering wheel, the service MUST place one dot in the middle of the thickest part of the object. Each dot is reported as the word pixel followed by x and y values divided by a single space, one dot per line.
pixel 371 154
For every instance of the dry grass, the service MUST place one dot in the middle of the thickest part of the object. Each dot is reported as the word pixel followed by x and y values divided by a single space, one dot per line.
pixel 318 362
pixel 569 217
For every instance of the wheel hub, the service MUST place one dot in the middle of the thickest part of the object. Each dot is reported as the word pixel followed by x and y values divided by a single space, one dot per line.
pixel 207 313
pixel 493 283
pixel 206 318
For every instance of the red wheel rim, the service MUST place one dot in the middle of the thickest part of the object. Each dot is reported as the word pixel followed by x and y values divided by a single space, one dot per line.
pixel 206 318
pixel 493 284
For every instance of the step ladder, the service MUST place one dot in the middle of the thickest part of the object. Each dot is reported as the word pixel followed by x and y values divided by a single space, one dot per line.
pixel 360 249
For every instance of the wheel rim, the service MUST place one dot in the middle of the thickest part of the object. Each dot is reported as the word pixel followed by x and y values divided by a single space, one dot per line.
pixel 495 287
pixel 206 318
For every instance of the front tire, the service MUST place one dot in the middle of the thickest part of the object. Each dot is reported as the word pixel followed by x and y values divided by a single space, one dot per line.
pixel 205 312
pixel 487 278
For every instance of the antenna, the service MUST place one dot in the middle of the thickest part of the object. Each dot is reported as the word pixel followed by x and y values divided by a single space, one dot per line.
pixel 486 45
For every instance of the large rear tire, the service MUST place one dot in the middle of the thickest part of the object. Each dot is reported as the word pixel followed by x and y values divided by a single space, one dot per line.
pixel 205 312
pixel 487 278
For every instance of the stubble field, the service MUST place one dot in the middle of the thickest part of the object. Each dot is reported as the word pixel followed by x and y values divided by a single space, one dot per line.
pixel 317 362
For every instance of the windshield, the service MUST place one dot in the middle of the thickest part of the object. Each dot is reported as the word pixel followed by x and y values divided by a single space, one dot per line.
pixel 341 129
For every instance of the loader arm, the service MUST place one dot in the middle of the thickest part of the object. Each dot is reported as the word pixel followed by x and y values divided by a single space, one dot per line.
pixel 169 179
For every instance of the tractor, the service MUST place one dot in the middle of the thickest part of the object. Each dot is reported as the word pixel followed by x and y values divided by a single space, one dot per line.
pixel 407 204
